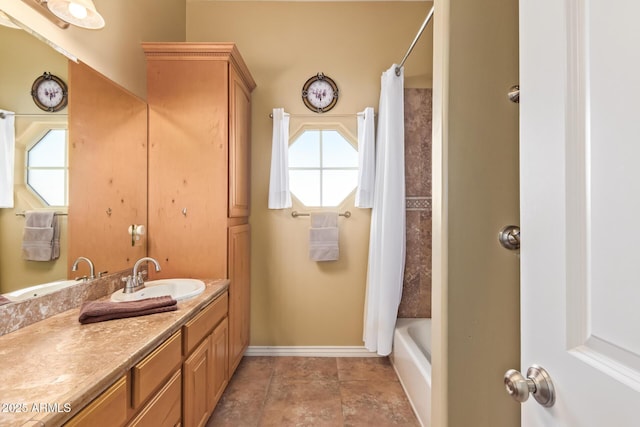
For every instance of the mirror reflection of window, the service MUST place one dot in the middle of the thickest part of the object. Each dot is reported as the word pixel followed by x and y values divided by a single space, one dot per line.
pixel 323 167
pixel 47 170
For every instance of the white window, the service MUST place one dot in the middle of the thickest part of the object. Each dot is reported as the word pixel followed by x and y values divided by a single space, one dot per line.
pixel 47 172
pixel 323 167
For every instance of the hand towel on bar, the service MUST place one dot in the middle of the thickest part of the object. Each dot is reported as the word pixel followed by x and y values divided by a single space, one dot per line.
pixel 41 236
pixel 99 311
pixel 322 220
pixel 323 237
pixel 55 243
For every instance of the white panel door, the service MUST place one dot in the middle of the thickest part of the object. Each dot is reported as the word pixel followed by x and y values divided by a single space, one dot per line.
pixel 580 208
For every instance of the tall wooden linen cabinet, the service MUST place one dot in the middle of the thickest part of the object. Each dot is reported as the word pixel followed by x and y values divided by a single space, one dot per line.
pixel 199 97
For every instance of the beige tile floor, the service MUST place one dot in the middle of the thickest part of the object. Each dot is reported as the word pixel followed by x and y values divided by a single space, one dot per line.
pixel 313 391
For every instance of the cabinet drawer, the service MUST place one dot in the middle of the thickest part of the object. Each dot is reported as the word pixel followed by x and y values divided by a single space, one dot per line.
pixel 199 327
pixel 108 410
pixel 147 375
pixel 165 409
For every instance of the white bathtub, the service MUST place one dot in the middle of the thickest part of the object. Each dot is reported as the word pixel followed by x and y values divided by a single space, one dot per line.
pixel 39 290
pixel 411 358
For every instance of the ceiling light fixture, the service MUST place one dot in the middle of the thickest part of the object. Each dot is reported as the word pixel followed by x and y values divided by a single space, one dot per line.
pixel 40 6
pixel 81 13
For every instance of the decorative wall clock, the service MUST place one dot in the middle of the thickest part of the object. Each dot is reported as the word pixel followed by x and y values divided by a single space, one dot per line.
pixel 320 93
pixel 49 92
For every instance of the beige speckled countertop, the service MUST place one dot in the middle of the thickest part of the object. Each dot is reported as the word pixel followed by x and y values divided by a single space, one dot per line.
pixel 58 365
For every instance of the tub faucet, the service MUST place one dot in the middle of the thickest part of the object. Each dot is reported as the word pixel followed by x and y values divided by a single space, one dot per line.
pixel 88 261
pixel 135 282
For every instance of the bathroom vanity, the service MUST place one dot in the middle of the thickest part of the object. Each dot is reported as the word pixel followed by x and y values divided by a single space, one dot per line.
pixel 165 369
pixel 168 368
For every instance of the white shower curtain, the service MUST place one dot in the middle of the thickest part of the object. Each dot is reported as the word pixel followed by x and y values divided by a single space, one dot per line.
pixel 7 158
pixel 279 195
pixel 387 239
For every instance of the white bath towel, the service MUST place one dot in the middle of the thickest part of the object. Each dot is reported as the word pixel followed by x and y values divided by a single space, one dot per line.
pixel 366 158
pixel 323 237
pixel 7 158
pixel 279 194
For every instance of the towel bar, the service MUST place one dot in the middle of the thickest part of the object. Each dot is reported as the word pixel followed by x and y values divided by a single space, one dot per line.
pixel 296 214
pixel 55 213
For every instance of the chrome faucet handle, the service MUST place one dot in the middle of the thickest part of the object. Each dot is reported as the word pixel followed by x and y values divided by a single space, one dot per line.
pixel 130 285
pixel 102 273
pixel 137 276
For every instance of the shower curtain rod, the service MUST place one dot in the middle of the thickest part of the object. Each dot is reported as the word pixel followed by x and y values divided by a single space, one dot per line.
pixel 424 25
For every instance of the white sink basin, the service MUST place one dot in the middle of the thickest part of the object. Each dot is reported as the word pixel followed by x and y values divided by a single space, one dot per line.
pixel 179 289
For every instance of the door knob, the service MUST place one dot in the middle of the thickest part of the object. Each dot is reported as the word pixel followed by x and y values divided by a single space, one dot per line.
pixel 538 382
pixel 509 237
pixel 514 94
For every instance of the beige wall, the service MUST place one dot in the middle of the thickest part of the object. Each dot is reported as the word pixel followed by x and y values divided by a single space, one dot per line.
pixel 296 301
pixel 476 285
pixel 26 59
pixel 29 59
pixel 114 50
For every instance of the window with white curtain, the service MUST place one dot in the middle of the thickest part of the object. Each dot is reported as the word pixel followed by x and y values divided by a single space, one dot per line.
pixel 323 167
pixel 47 171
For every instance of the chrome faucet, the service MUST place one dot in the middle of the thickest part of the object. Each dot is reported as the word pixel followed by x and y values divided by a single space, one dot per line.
pixel 135 282
pixel 88 261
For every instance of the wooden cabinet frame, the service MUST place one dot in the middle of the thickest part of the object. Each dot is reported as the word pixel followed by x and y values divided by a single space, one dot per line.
pixel 199 97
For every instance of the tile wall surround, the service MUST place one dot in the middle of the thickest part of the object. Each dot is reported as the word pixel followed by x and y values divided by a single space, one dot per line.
pixel 17 315
pixel 416 293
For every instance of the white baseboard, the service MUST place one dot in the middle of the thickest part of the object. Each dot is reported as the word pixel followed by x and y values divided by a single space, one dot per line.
pixel 309 351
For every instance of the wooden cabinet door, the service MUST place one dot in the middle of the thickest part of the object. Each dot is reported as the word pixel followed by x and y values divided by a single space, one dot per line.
pixel 188 179
pixel 196 374
pixel 239 293
pixel 239 146
pixel 219 362
pixel 108 165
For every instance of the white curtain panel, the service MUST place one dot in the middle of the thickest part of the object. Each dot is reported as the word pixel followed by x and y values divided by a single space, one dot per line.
pixel 387 239
pixel 7 158
pixel 366 158
pixel 279 194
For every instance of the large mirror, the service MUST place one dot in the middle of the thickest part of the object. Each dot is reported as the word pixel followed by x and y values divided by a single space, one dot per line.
pixel 106 152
